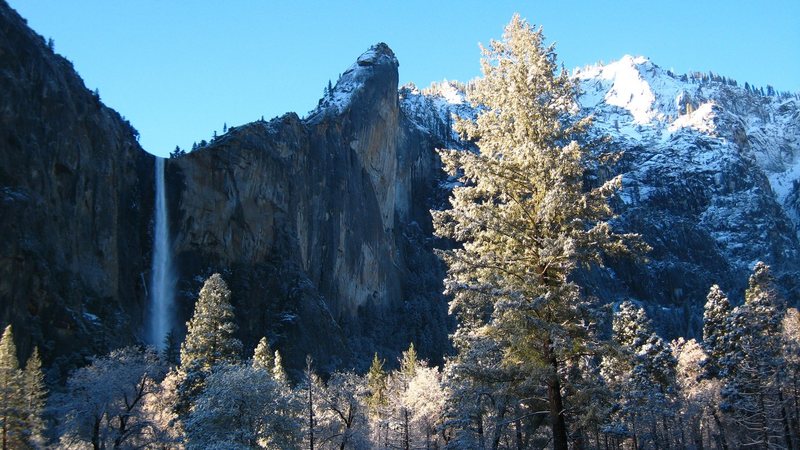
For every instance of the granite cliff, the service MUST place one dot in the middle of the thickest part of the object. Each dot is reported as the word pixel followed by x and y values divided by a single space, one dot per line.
pixel 321 224
pixel 75 206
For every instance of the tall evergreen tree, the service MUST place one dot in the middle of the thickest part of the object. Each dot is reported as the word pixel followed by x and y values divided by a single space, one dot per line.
pixel 278 371
pixel 645 376
pixel 377 400
pixel 376 385
pixel 263 357
pixel 525 216
pixel 35 393
pixel 11 394
pixel 210 339
pixel 716 318
pixel 753 365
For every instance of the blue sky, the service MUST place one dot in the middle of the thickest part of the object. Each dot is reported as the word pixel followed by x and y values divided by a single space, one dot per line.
pixel 178 70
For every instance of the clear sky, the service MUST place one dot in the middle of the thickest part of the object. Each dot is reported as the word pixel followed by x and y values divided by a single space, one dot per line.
pixel 178 70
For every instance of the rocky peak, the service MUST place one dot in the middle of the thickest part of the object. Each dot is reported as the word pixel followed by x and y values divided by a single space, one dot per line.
pixel 370 81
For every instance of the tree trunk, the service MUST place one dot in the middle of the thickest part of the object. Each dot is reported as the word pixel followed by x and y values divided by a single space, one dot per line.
pixel 406 440
pixel 764 422
pixel 498 429
pixel 480 431
pixel 787 431
pixel 310 415
pixel 720 431
pixel 557 422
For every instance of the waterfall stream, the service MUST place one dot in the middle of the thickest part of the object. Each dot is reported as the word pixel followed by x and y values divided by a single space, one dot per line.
pixel 162 283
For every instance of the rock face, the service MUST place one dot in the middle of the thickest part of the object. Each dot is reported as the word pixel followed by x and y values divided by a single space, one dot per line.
pixel 322 224
pixel 75 202
pixel 710 170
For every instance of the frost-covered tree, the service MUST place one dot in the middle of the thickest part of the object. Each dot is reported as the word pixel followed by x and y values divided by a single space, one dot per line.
pixel 342 418
pixel 263 357
pixel 424 398
pixel 716 319
pixel 791 382
pixel 526 217
pixel 699 423
pixel 752 367
pixel 481 395
pixel 34 396
pixel 278 371
pixel 166 431
pixel 11 394
pixel 643 375
pixel 103 405
pixel 210 339
pixel 242 407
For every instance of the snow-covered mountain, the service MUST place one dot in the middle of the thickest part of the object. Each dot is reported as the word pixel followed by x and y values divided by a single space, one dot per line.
pixel 711 175
pixel 638 102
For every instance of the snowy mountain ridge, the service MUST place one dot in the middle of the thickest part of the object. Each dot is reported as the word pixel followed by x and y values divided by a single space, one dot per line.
pixel 711 171
pixel 637 101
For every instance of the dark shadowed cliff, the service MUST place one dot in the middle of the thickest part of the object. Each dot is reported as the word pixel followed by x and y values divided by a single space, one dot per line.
pixel 75 202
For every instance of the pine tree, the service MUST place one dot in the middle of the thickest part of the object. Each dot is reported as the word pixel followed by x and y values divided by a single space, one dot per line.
pixel 171 354
pixel 210 339
pixel 408 362
pixel 263 357
pixel 278 371
pixel 525 215
pixel 644 375
pixel 753 365
pixel 11 394
pixel 791 382
pixel 716 317
pixel 35 393
pixel 376 385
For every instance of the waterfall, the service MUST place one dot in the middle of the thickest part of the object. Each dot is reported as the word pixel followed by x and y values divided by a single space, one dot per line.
pixel 162 283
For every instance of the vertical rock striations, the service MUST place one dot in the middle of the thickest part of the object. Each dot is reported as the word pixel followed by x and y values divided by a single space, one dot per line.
pixel 322 222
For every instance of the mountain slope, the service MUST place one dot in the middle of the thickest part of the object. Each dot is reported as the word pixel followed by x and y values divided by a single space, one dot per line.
pixel 710 173
pixel 75 202
pixel 711 179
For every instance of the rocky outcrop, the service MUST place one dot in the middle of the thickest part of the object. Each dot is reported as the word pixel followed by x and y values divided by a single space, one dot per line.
pixel 708 170
pixel 75 202
pixel 334 206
